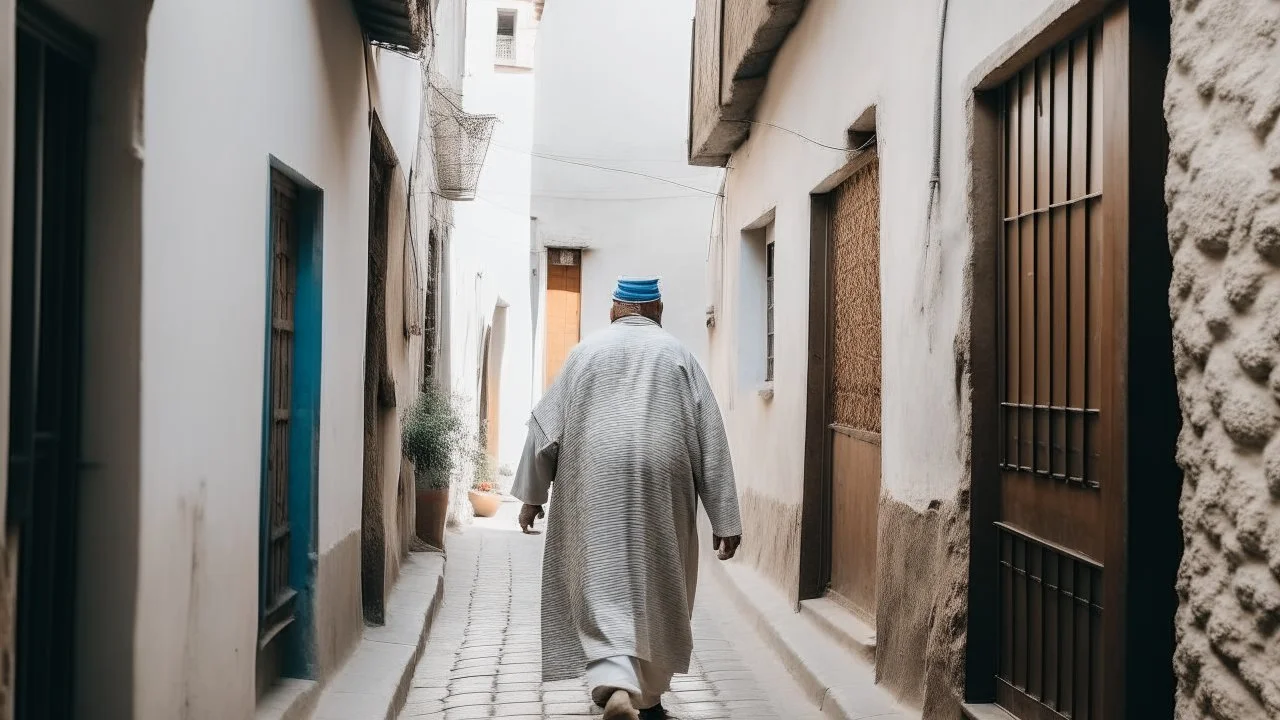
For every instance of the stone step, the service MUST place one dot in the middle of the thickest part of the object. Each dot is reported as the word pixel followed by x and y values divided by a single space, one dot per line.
pixel 842 624
pixel 827 651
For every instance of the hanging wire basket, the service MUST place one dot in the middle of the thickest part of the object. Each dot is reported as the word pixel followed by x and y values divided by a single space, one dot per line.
pixel 462 142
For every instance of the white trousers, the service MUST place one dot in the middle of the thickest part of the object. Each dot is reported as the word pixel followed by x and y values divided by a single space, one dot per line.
pixel 644 681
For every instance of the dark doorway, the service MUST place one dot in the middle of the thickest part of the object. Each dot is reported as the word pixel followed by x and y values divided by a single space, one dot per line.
pixel 52 106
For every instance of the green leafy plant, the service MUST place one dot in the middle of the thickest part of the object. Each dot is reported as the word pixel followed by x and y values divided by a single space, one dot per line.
pixel 432 435
pixel 483 468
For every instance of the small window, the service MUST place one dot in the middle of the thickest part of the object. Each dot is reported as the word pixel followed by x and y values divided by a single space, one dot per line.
pixel 768 311
pixel 505 50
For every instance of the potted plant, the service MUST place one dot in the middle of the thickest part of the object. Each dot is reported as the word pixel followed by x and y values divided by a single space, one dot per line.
pixel 430 436
pixel 484 499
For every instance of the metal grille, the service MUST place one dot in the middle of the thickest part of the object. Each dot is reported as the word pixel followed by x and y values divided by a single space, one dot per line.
pixel 563 257
pixel 1050 638
pixel 1050 307
pixel 278 595
pixel 505 48
pixel 506 45
pixel 768 311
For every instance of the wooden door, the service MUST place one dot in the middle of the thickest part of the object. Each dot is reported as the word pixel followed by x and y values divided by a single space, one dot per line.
pixel 1080 157
pixel 564 307
pixel 53 65
pixel 854 412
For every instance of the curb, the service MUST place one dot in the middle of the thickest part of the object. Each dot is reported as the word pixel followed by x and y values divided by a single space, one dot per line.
pixel 374 682
pixel 836 679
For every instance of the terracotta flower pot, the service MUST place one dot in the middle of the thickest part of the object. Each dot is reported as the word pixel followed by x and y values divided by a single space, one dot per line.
pixel 484 503
pixel 432 510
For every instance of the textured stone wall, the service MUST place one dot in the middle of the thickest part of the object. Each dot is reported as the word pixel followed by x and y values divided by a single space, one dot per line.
pixel 1223 191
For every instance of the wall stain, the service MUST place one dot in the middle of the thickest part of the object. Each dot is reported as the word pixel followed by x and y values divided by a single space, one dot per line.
pixel 771 539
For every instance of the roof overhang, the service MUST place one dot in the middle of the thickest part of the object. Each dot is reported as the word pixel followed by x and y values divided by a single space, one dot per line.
pixel 397 24
pixel 734 44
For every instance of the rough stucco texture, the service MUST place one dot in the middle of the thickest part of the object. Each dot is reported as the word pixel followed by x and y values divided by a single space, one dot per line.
pixel 922 603
pixel 1223 192
pixel 771 538
pixel 855 275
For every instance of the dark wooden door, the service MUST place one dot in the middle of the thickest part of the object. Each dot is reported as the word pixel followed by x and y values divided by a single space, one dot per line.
pixel 853 443
pixel 1055 383
pixel 1079 159
pixel 52 111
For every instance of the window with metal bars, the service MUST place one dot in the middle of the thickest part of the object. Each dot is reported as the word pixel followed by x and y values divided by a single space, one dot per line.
pixel 768 311
pixel 505 49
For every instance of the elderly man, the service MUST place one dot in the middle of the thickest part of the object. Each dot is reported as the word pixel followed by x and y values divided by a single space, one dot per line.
pixel 632 438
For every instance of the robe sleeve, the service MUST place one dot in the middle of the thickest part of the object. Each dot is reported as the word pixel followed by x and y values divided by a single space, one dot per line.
pixel 713 470
pixel 537 467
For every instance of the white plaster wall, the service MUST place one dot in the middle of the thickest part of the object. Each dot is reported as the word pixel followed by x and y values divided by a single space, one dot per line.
pixel 228 85
pixel 488 254
pixel 840 59
pixel 397 81
pixel 613 92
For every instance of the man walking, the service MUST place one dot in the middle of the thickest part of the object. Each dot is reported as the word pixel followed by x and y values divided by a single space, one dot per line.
pixel 632 438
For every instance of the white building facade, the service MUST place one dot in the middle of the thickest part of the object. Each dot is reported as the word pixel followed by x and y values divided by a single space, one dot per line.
pixel 215 164
pixel 489 327
pixel 611 182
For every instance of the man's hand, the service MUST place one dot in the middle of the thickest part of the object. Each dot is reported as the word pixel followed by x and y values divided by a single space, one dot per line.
pixel 726 547
pixel 529 513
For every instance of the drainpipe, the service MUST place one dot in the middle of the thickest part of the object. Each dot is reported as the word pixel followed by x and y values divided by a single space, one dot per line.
pixel 935 176
pixel 930 276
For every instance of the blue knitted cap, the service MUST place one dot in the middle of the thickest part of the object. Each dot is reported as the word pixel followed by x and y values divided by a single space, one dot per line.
pixel 637 290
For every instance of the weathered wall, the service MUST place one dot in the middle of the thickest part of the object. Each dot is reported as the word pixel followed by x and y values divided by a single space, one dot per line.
pixel 339 616
pixel 228 87
pixel 488 256
pixel 724 95
pixel 404 351
pixel 1223 191
pixel 636 122
pixel 841 59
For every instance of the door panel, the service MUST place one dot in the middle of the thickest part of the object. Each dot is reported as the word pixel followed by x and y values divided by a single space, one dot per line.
pixel 53 64
pixel 564 303
pixel 1051 524
pixel 855 501
pixel 853 435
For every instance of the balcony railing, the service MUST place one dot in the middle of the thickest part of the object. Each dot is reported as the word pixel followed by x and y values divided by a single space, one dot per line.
pixel 505 50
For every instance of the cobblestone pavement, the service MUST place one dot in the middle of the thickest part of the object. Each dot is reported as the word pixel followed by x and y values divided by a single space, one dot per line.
pixel 483 658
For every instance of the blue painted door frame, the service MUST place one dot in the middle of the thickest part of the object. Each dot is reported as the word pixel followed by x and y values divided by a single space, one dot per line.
pixel 298 649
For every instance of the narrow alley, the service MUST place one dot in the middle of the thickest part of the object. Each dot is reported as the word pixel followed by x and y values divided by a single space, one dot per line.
pixel 910 360
pixel 482 658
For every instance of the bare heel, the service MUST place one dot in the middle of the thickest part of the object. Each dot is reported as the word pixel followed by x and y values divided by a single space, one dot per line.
pixel 619 707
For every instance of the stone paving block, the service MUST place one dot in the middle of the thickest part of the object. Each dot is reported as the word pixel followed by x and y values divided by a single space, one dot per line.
pixel 468 713
pixel 485 660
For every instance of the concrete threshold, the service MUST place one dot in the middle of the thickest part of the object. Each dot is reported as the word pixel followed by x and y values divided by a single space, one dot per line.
pixel 832 667
pixel 374 682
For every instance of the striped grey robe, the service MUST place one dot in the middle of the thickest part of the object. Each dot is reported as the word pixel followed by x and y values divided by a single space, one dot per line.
pixel 632 436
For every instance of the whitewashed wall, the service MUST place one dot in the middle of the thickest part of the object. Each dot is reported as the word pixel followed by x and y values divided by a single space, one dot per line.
pixel 613 91
pixel 488 255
